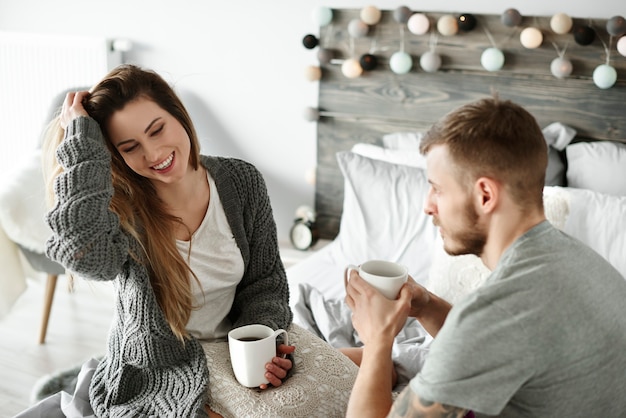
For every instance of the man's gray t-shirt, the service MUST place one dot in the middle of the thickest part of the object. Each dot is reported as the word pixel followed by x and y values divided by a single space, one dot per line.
pixel 545 336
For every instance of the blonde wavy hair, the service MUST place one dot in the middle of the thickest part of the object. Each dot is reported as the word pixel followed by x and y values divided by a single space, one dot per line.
pixel 135 201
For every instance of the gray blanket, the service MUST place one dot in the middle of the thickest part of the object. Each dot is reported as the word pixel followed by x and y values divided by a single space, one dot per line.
pixel 330 320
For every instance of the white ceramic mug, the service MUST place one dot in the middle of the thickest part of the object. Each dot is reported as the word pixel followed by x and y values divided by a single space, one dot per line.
pixel 386 276
pixel 251 347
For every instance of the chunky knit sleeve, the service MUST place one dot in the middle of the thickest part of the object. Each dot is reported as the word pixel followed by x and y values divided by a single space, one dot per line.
pixel 263 293
pixel 87 238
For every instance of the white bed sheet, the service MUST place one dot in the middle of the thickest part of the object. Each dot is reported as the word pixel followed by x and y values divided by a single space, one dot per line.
pixel 323 270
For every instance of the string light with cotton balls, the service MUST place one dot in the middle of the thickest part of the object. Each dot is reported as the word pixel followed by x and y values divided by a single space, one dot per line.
pixel 604 76
pixel 400 62
pixel 368 62
pixel 370 15
pixel 621 46
pixel 561 67
pixel 351 68
pixel 357 28
pixel 511 18
pixel 561 23
pixel 531 38
pixel 402 14
pixel 418 24
pixel 311 114
pixel 313 73
pixel 325 55
pixel 447 25
pixel 322 16
pixel 492 59
pixel 310 41
pixel 616 26
pixel 466 22
pixel 430 61
pixel 584 35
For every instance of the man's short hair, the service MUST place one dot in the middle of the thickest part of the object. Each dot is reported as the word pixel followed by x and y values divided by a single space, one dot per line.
pixel 497 139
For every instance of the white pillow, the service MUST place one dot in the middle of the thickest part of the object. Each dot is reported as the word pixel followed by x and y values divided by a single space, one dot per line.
pixel 599 166
pixel 383 214
pixel 406 141
pixel 599 220
pixel 405 157
pixel 320 385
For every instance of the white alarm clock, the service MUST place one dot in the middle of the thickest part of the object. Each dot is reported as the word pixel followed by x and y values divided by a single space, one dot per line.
pixel 304 234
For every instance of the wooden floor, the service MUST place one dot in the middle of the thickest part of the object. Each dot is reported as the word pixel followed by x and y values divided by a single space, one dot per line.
pixel 77 330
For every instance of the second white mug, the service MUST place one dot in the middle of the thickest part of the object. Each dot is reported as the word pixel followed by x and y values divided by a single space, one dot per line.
pixel 386 276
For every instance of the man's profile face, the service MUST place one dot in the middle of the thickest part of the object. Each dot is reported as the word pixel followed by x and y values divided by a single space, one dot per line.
pixel 451 205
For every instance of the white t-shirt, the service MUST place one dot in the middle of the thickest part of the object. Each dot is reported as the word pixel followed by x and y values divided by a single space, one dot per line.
pixel 217 262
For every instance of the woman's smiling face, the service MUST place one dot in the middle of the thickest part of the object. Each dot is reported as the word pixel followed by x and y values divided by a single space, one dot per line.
pixel 151 141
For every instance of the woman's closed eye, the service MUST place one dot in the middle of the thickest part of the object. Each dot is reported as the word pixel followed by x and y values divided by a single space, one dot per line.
pixel 130 148
pixel 157 131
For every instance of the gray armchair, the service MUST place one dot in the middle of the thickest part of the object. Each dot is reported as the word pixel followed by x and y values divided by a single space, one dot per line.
pixel 37 259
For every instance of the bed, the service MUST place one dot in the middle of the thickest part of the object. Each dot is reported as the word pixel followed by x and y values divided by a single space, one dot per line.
pixel 371 179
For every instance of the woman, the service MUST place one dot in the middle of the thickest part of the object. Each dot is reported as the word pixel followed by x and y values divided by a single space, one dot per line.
pixel 189 240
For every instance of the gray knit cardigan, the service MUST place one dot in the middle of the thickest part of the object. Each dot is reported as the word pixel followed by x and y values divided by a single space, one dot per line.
pixel 147 371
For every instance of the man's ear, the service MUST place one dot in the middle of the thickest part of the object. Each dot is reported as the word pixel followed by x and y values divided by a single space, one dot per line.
pixel 487 194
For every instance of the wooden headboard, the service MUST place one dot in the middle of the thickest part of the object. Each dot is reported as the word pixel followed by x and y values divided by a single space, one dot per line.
pixel 363 109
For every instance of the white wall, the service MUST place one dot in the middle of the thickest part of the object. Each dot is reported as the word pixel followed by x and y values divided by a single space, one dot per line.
pixel 239 66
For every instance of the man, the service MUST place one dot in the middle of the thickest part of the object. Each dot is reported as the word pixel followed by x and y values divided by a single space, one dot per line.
pixel 544 336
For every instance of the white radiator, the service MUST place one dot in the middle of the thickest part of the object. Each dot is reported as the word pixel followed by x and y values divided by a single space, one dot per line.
pixel 34 68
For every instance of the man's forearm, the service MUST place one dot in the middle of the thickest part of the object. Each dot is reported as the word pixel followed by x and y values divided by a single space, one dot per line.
pixel 433 314
pixel 371 394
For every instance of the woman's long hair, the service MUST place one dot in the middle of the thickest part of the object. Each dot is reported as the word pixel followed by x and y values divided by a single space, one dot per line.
pixel 135 201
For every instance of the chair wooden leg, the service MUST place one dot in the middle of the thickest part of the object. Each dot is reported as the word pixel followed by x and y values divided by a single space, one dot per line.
pixel 51 284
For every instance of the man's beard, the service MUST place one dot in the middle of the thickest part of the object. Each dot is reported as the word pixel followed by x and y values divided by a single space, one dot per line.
pixel 471 239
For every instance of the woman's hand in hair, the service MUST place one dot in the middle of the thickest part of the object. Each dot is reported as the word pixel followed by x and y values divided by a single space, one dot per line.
pixel 73 107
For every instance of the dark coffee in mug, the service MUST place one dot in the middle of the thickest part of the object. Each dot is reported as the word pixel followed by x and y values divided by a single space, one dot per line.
pixel 250 339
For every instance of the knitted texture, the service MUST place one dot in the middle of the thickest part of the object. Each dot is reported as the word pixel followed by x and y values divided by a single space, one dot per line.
pixel 147 371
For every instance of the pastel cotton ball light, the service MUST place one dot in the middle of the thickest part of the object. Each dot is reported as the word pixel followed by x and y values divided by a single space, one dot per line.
pixel 430 62
pixel 492 59
pixel 621 46
pixel 351 68
pixel 584 35
pixel 322 16
pixel 418 24
pixel 531 38
pixel 447 25
pixel 371 15
pixel 616 26
pixel 324 55
pixel 511 18
pixel 357 28
pixel 313 73
pixel 311 114
pixel 402 14
pixel 604 76
pixel 368 62
pixel 561 23
pixel 466 22
pixel 310 41
pixel 561 67
pixel 400 62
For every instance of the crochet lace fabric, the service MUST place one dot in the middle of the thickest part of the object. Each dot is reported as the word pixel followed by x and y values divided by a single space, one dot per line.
pixel 319 386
